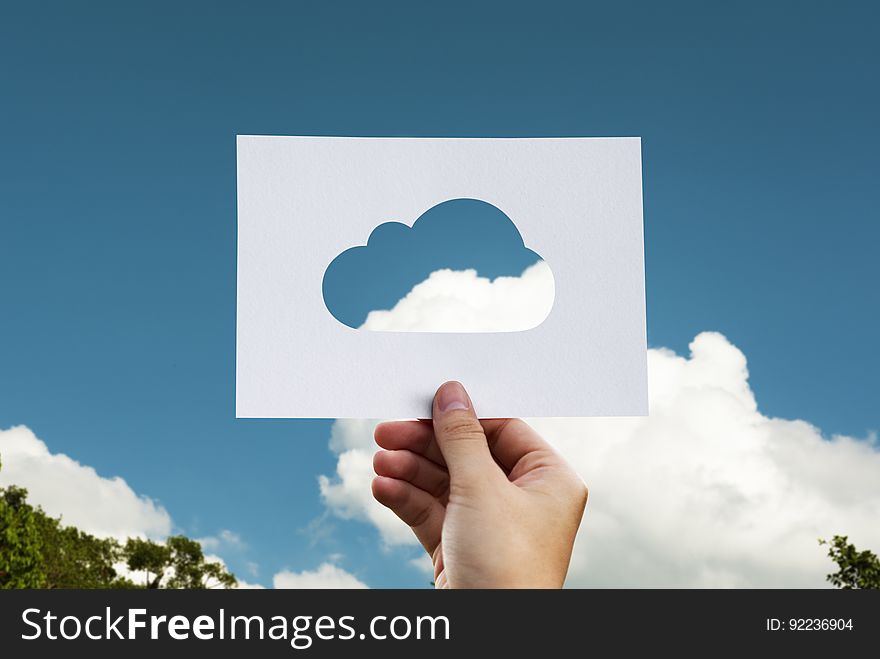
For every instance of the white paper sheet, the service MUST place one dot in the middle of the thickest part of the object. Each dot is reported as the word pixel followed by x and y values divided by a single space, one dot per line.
pixel 303 200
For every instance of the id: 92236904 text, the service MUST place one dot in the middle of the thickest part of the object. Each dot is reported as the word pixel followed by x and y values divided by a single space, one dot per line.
pixel 808 624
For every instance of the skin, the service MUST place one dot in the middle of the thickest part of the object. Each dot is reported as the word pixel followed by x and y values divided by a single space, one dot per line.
pixel 491 502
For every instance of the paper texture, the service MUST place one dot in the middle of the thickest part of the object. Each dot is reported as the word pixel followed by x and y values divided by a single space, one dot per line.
pixel 303 200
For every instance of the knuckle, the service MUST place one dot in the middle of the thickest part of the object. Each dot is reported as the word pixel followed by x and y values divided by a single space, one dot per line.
pixel 582 494
pixel 578 491
pixel 441 487
pixel 461 427
pixel 411 468
pixel 419 517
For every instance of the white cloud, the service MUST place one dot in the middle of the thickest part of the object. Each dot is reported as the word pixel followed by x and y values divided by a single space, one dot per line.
pixel 348 493
pixel 108 507
pixel 423 564
pixel 706 491
pixel 62 486
pixel 226 538
pixel 326 576
pixel 462 301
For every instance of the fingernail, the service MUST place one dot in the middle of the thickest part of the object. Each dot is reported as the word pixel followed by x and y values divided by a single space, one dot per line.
pixel 452 396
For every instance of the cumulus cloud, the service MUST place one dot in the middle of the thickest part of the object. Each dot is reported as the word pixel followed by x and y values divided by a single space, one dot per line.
pixel 462 301
pixel 327 575
pixel 226 539
pixel 397 256
pixel 108 507
pixel 62 486
pixel 347 494
pixel 706 491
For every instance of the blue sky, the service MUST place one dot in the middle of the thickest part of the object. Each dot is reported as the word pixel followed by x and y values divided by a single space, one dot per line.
pixel 117 207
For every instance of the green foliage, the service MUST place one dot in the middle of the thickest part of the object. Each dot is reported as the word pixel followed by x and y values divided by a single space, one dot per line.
pixel 20 542
pixel 74 559
pixel 856 569
pixel 37 551
pixel 190 568
pixel 148 557
pixel 181 559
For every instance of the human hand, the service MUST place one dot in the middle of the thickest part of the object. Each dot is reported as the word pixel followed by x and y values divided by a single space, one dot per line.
pixel 491 502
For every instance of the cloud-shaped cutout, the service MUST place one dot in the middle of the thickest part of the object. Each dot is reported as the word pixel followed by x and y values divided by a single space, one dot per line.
pixel 456 235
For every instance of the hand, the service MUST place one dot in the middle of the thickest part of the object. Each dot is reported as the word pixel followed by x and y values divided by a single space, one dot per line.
pixel 491 502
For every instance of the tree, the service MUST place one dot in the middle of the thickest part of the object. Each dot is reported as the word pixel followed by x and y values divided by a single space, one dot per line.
pixel 856 569
pixel 38 551
pixel 191 570
pixel 148 557
pixel 74 559
pixel 20 541
pixel 180 559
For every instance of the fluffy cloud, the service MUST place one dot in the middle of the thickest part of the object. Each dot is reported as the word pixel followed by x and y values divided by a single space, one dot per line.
pixel 704 492
pixel 326 576
pixel 105 507
pixel 109 507
pixel 226 539
pixel 707 491
pixel 62 486
pixel 348 494
pixel 462 301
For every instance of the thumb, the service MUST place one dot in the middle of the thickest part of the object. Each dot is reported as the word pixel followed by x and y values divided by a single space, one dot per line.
pixel 460 435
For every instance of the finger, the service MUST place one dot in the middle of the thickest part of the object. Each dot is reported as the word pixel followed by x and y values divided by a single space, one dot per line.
pixel 513 440
pixel 415 436
pixel 418 509
pixel 412 468
pixel 460 436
